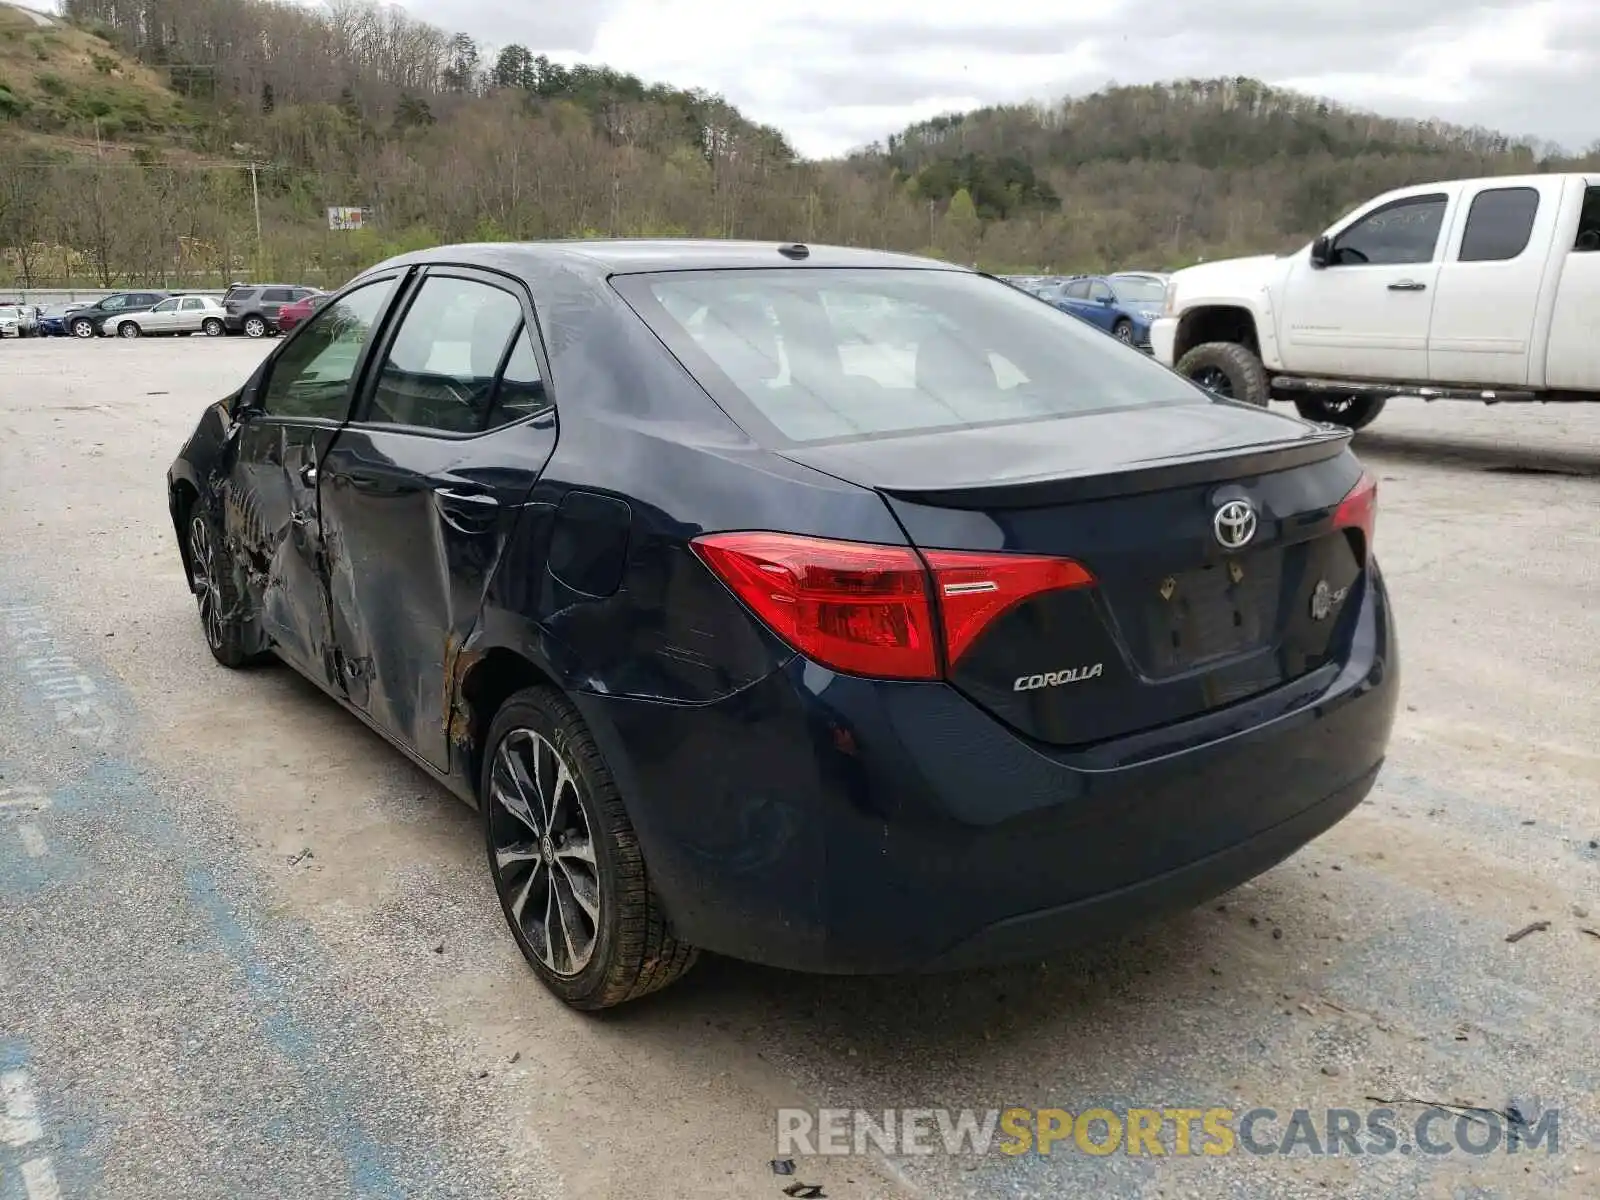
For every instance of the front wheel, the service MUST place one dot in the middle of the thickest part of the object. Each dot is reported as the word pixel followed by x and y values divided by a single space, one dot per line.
pixel 128 330
pixel 83 328
pixel 1228 370
pixel 1352 412
pixel 1123 332
pixel 212 327
pixel 565 861
pixel 216 591
pixel 255 327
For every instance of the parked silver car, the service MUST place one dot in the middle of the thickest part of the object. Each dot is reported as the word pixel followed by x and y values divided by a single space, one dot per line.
pixel 10 321
pixel 173 316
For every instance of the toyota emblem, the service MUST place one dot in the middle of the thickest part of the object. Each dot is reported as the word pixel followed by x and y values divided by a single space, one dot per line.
pixel 1234 524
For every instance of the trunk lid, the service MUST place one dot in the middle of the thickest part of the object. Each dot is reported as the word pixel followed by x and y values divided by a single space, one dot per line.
pixel 1178 622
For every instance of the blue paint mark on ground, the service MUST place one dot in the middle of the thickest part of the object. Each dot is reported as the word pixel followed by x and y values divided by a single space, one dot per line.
pixel 106 787
pixel 365 1160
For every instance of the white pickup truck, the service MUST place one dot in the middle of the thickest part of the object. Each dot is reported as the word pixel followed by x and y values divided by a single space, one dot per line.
pixel 1478 289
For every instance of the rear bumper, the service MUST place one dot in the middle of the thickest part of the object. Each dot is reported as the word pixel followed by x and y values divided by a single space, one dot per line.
pixel 825 823
pixel 1164 339
pixel 1182 888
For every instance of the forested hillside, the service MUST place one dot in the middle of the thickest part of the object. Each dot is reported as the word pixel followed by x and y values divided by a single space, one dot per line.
pixel 126 142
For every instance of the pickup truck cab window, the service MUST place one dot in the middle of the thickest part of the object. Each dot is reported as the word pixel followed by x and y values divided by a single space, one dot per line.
pixel 1499 224
pixel 1588 239
pixel 1406 231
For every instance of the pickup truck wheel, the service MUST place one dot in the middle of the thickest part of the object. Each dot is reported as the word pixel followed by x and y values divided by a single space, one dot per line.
pixel 1353 412
pixel 1229 370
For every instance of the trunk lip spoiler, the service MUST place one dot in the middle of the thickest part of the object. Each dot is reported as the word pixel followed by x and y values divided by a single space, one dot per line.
pixel 1139 477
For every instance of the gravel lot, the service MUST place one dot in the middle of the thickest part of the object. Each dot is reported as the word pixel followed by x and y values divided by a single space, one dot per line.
pixel 247 951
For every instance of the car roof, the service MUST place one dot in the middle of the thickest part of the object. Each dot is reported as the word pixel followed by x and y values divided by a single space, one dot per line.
pixel 602 257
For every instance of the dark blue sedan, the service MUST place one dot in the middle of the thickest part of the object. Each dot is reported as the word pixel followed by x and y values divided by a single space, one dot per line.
pixel 837 610
pixel 1123 305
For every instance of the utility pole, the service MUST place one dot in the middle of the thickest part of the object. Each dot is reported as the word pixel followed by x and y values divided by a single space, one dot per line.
pixel 255 196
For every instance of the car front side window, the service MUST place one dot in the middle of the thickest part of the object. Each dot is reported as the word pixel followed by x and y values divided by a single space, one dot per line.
pixel 1404 232
pixel 311 377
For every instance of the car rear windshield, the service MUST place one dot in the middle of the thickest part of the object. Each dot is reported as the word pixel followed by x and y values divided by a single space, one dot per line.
pixel 805 355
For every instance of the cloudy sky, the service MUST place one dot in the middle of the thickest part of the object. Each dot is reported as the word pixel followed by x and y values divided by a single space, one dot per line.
pixel 838 73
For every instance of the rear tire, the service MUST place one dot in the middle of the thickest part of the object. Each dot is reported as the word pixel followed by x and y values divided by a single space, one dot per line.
pixel 213 327
pixel 1353 412
pixel 1227 369
pixel 572 846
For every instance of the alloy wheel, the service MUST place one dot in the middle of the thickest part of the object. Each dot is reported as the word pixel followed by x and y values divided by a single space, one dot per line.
pixel 544 857
pixel 1124 333
pixel 202 575
pixel 1214 380
pixel 255 327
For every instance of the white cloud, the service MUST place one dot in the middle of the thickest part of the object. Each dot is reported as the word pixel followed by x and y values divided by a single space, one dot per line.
pixel 837 73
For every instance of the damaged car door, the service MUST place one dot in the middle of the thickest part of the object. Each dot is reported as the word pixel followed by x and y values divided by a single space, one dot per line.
pixel 422 488
pixel 288 417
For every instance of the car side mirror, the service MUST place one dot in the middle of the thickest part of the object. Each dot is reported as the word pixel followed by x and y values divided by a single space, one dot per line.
pixel 1107 301
pixel 1321 251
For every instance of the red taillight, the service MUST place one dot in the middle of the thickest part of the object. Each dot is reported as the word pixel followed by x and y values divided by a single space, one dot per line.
pixel 1359 510
pixel 866 609
pixel 974 589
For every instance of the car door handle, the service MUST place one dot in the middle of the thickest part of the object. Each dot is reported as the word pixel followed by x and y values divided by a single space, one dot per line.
pixel 1408 285
pixel 308 475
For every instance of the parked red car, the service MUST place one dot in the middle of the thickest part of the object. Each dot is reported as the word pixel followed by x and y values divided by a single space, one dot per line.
pixel 291 315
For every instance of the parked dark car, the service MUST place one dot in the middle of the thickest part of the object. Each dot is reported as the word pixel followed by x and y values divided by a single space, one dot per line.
pixel 89 320
pixel 749 629
pixel 253 308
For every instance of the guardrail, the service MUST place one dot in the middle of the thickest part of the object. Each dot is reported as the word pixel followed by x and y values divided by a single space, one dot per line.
pixel 48 296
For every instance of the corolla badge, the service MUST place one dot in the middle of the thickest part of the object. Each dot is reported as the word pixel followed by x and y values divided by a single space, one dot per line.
pixel 1234 524
pixel 1029 683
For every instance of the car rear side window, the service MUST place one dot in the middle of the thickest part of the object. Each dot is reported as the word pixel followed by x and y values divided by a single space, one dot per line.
pixel 522 392
pixel 440 370
pixel 1499 224
pixel 275 296
pixel 807 355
